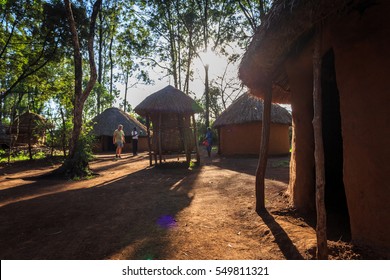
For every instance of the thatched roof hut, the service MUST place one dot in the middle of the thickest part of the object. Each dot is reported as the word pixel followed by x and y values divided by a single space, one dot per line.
pixel 29 128
pixel 285 29
pixel 329 59
pixel 174 130
pixel 168 100
pixel 248 108
pixel 239 128
pixel 105 124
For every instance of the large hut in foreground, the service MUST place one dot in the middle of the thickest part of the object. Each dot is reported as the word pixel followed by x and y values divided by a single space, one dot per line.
pixel 330 59
pixel 239 128
pixel 105 124
pixel 171 112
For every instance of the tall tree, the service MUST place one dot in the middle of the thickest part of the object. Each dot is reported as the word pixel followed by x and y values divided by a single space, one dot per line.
pixel 28 42
pixel 74 164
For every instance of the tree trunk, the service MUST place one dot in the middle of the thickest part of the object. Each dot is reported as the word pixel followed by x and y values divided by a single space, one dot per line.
pixel 262 166
pixel 149 144
pixel 73 163
pixel 111 65
pixel 159 137
pixel 207 96
pixel 322 249
pixel 100 64
pixel 126 88
pixel 63 134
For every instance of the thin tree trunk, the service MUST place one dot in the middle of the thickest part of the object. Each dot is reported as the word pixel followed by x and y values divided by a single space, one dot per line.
pixel 63 136
pixel 159 137
pixel 262 166
pixel 29 135
pixel 207 96
pixel 80 95
pixel 188 71
pixel 126 88
pixel 322 250
pixel 100 63
pixel 149 144
pixel 111 64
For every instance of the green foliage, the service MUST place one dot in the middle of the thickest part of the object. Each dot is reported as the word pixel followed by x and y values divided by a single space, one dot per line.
pixel 77 167
pixel 83 152
pixel 20 156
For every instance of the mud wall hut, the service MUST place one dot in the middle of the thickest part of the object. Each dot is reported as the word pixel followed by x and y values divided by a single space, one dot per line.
pixel 240 125
pixel 351 40
pixel 171 113
pixel 105 124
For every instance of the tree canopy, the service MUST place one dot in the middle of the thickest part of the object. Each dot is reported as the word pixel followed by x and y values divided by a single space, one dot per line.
pixel 43 58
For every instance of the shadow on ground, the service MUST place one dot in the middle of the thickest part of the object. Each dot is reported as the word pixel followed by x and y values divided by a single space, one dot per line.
pixel 128 215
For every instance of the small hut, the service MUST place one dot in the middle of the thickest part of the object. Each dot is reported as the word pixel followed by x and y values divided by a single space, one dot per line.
pixel 29 128
pixel 171 112
pixel 239 128
pixel 105 124
pixel 330 60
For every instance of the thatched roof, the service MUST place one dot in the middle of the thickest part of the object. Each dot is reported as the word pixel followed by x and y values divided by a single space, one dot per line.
pixel 108 121
pixel 288 24
pixel 29 120
pixel 31 117
pixel 168 100
pixel 248 108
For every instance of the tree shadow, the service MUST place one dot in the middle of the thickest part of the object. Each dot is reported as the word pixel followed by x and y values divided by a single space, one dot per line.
pixel 287 247
pixel 277 166
pixel 127 217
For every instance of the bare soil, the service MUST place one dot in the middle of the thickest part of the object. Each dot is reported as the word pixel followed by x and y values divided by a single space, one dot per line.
pixel 133 211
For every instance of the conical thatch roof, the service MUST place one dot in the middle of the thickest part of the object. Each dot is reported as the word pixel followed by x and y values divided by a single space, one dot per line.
pixel 168 100
pixel 248 108
pixel 30 120
pixel 108 121
pixel 32 117
pixel 288 24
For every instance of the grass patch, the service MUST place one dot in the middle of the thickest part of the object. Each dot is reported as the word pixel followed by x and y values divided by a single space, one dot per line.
pixel 20 156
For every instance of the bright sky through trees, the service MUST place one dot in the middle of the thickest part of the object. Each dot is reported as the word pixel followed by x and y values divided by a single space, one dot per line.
pixel 217 65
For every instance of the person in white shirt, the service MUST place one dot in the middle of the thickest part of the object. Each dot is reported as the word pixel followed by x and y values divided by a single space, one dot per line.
pixel 134 136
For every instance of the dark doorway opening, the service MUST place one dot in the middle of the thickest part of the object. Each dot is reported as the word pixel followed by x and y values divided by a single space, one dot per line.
pixel 335 200
pixel 110 147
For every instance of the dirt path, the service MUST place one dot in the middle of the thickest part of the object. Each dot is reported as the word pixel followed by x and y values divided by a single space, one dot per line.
pixel 132 211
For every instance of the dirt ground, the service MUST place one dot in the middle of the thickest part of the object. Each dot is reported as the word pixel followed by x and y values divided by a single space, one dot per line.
pixel 133 211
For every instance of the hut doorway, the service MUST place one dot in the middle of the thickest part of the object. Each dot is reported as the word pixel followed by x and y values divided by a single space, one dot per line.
pixel 335 199
pixel 109 147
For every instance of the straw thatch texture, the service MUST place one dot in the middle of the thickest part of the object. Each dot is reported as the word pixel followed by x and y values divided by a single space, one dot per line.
pixel 30 128
pixel 248 108
pixel 176 131
pixel 168 100
pixel 170 110
pixel 109 119
pixel 288 22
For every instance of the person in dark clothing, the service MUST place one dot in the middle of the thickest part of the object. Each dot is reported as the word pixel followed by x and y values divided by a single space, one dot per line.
pixel 209 139
pixel 134 137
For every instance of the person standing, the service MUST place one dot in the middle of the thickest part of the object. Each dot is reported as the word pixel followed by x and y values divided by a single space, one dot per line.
pixel 209 139
pixel 134 136
pixel 118 140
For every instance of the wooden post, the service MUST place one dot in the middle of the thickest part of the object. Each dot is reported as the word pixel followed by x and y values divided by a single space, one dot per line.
pixel 196 140
pixel 159 137
pixel 322 249
pixel 182 130
pixel 262 166
pixel 149 145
